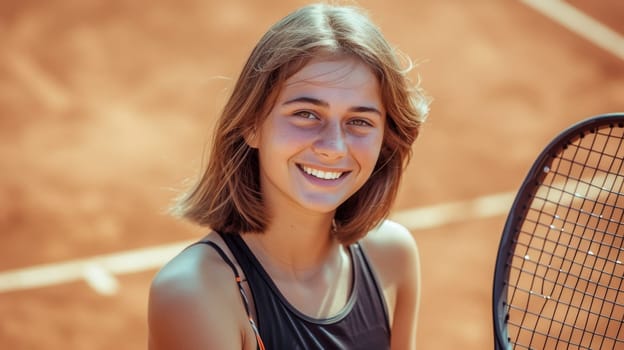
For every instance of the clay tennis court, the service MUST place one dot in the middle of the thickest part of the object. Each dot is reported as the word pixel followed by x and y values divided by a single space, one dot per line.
pixel 105 108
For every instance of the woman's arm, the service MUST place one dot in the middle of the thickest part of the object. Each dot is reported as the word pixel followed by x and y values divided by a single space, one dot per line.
pixel 395 257
pixel 408 297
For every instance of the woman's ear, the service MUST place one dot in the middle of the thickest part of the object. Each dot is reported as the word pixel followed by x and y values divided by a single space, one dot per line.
pixel 251 138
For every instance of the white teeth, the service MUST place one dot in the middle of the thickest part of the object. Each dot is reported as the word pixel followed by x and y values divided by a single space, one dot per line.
pixel 326 175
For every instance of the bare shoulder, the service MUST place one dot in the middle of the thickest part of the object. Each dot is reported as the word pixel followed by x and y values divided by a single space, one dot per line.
pixel 390 232
pixel 393 248
pixel 191 301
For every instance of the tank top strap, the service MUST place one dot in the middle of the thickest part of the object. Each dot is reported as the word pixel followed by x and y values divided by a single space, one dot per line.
pixel 241 290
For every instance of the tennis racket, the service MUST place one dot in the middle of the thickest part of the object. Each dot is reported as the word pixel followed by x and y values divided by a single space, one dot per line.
pixel 559 275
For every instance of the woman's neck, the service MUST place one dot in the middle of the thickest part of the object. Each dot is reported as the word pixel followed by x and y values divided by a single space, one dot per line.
pixel 296 247
pixel 307 264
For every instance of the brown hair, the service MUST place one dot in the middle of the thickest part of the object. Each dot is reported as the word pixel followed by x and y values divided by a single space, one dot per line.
pixel 227 196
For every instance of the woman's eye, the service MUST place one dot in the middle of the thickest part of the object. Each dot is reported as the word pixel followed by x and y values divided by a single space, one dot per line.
pixel 306 115
pixel 360 122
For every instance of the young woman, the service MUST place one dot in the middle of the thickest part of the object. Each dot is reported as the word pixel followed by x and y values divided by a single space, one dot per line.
pixel 305 165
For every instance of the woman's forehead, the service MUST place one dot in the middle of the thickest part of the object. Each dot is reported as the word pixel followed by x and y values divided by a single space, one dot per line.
pixel 337 70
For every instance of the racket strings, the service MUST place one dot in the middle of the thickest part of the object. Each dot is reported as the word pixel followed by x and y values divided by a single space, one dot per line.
pixel 612 166
pixel 556 282
pixel 580 241
pixel 566 273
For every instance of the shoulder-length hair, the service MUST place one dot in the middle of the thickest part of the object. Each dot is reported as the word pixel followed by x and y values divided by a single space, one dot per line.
pixel 227 196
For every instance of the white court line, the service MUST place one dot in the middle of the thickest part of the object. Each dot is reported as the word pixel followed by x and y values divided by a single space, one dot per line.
pixel 443 214
pixel 99 271
pixel 581 24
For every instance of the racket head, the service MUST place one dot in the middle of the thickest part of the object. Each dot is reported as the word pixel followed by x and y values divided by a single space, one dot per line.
pixel 543 246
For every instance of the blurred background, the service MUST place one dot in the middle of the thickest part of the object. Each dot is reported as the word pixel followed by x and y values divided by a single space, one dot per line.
pixel 105 108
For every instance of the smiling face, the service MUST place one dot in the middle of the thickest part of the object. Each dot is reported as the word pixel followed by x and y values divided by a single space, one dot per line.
pixel 321 140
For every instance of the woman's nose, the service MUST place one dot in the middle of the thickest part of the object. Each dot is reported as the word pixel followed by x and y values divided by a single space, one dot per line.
pixel 331 142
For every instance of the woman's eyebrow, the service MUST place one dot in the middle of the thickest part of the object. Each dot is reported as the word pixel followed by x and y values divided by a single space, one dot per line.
pixel 310 100
pixel 324 104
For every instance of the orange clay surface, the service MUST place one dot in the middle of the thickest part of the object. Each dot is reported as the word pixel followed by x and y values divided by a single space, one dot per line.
pixel 105 107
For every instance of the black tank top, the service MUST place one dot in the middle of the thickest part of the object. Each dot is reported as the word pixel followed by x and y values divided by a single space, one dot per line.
pixel 361 324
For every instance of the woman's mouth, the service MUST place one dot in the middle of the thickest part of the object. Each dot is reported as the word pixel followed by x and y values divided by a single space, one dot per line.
pixel 321 174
